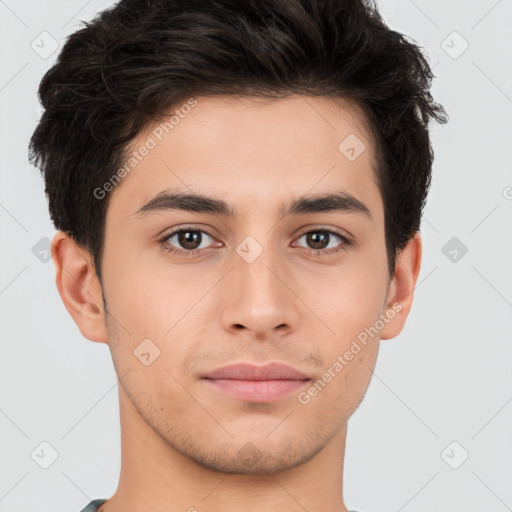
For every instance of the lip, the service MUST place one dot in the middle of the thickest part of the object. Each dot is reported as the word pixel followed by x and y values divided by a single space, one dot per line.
pixel 248 371
pixel 249 382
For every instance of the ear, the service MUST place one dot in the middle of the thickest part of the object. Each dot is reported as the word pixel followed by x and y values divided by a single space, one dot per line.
pixel 79 287
pixel 401 288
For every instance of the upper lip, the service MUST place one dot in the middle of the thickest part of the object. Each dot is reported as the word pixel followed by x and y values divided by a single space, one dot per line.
pixel 248 371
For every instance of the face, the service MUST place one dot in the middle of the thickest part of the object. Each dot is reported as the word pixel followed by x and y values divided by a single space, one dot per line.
pixel 259 285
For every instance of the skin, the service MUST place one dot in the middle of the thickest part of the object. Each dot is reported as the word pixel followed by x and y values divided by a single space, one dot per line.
pixel 186 447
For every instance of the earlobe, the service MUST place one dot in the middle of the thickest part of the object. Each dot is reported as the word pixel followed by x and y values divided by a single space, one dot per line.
pixel 401 289
pixel 79 287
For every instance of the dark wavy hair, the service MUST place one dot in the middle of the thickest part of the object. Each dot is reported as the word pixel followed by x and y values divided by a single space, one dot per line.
pixel 136 60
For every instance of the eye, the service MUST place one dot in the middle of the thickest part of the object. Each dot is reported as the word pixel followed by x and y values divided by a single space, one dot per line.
pixel 189 241
pixel 320 239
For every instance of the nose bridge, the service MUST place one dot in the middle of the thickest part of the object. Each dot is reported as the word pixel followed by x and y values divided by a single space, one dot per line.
pixel 261 299
pixel 256 265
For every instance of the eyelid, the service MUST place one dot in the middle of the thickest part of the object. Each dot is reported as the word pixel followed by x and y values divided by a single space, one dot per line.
pixel 183 227
pixel 337 231
pixel 180 228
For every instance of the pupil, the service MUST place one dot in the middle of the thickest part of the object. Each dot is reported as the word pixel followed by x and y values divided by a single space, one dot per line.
pixel 189 239
pixel 314 237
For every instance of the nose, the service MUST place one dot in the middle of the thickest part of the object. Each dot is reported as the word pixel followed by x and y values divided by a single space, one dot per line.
pixel 260 298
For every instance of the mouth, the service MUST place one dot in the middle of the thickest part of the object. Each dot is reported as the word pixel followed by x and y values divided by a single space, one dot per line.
pixel 251 383
pixel 256 390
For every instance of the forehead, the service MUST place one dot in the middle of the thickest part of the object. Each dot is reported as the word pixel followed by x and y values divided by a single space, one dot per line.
pixel 251 152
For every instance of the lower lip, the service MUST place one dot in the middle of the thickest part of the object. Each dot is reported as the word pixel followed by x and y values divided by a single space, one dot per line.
pixel 256 390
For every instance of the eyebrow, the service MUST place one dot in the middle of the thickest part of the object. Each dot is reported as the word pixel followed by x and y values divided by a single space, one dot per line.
pixel 330 202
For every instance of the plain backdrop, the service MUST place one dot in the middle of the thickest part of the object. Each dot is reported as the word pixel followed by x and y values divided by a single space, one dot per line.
pixel 434 430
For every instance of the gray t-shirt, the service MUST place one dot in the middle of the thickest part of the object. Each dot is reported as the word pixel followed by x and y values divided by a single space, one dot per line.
pixel 92 507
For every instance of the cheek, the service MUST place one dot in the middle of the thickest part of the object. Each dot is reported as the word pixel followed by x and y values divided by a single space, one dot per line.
pixel 337 392
pixel 349 303
pixel 148 297
pixel 156 317
pixel 348 300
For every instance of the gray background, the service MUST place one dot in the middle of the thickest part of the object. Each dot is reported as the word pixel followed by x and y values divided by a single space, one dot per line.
pixel 448 376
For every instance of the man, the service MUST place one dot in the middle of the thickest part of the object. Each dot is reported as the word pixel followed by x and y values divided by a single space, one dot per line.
pixel 237 188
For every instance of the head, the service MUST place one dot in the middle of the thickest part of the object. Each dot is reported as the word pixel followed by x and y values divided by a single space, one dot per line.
pixel 271 102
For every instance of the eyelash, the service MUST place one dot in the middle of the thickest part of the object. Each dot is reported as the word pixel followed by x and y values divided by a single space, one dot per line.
pixel 315 252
